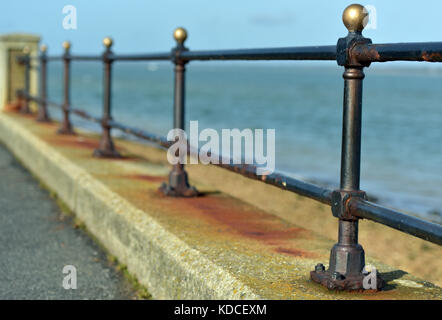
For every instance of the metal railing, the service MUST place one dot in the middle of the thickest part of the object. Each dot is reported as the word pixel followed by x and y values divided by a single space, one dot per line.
pixel 348 203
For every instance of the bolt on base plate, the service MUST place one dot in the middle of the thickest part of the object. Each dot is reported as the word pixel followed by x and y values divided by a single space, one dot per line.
pixel 178 185
pixel 337 281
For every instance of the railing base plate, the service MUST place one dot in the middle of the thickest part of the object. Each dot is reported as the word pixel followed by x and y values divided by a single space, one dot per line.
pixel 350 283
pixel 187 192
pixel 98 153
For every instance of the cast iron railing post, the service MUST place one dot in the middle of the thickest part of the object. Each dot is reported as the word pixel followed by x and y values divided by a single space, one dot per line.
pixel 43 115
pixel 178 181
pixel 27 63
pixel 347 258
pixel 106 148
pixel 66 126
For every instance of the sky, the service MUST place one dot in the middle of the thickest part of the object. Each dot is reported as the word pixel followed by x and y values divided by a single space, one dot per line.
pixel 146 26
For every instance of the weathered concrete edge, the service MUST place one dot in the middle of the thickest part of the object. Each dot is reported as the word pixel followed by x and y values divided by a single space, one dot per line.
pixel 166 265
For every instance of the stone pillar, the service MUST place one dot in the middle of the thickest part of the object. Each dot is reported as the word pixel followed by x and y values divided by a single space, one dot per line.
pixel 12 74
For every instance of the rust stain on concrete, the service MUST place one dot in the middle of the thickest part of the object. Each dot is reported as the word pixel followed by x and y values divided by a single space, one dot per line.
pixel 296 252
pixel 72 141
pixel 146 177
pixel 239 219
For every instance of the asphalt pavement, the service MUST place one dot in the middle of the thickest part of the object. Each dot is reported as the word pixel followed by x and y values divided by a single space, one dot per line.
pixel 37 241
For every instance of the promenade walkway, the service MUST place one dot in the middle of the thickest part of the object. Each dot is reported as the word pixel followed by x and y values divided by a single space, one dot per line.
pixel 37 241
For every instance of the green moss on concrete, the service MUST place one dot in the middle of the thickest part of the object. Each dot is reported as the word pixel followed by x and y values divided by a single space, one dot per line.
pixel 141 291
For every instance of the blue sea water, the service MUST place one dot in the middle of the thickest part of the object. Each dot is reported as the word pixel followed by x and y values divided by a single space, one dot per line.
pixel 402 117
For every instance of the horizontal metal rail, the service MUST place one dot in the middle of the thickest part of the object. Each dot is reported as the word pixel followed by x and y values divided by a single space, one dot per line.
pixel 81 113
pixel 157 139
pixel 290 53
pixel 165 56
pixel 85 58
pixel 403 222
pixel 418 51
pixel 363 53
pixel 75 57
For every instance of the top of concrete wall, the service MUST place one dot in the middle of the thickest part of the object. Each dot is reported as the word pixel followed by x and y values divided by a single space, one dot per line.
pixel 17 37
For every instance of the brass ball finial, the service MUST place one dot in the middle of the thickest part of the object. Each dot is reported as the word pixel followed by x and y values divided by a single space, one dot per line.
pixel 355 18
pixel 108 42
pixel 66 45
pixel 180 35
pixel 43 48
